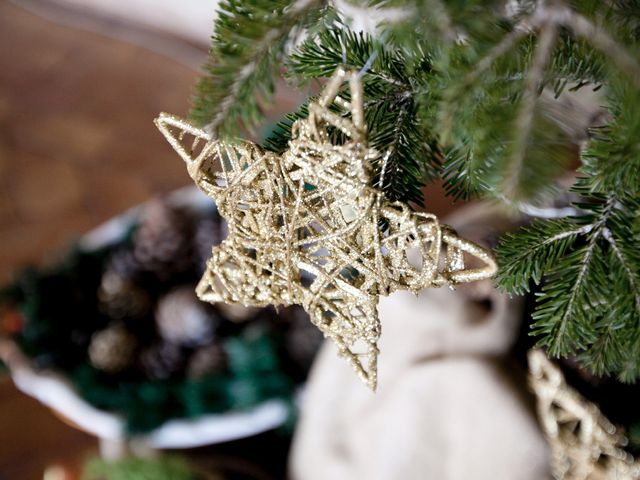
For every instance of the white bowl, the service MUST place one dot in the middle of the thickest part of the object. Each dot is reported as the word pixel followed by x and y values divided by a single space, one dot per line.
pixel 56 392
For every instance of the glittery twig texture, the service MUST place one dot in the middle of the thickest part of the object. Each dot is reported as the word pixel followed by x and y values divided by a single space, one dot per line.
pixel 306 227
pixel 584 444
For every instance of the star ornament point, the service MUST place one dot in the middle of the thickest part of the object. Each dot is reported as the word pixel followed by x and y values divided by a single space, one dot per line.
pixel 306 227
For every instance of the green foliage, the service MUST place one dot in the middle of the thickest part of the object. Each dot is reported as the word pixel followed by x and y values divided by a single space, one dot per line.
pixel 612 159
pixel 574 64
pixel 590 299
pixel 465 92
pixel 392 82
pixel 544 241
pixel 248 42
pixel 165 468
pixel 512 146
pixel 278 140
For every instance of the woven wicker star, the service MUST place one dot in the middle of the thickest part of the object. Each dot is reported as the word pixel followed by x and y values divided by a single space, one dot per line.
pixel 306 227
pixel 584 444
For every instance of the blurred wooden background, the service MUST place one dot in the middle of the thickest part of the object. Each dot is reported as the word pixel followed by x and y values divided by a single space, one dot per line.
pixel 77 142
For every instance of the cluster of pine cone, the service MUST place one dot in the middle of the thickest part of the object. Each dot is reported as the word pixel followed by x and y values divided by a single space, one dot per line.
pixel 157 326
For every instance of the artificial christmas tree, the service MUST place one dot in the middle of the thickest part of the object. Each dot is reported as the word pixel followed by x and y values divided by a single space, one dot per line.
pixel 464 92
pixel 473 95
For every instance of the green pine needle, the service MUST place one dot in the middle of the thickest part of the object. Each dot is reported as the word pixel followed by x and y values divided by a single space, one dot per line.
pixel 248 45
pixel 461 92
pixel 392 84
pixel 590 299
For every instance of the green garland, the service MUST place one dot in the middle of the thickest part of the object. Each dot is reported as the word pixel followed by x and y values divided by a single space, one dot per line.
pixel 166 468
pixel 59 307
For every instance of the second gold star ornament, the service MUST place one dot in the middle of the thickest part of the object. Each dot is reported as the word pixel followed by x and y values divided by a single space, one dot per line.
pixel 306 227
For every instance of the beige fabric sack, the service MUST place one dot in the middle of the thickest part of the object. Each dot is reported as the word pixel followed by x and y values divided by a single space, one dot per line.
pixel 450 404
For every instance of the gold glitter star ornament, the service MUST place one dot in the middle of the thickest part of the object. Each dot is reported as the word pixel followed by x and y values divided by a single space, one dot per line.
pixel 306 227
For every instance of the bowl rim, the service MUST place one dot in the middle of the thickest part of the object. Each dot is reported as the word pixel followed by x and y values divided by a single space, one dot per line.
pixel 55 391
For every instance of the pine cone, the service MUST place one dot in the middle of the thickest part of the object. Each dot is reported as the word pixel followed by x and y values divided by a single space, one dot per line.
pixel 162 360
pixel 120 298
pixel 209 231
pixel 162 243
pixel 124 263
pixel 207 361
pixel 183 319
pixel 112 349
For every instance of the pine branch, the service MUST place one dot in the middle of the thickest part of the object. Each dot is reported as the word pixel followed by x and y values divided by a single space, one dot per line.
pixel 590 266
pixel 248 45
pixel 412 159
pixel 629 370
pixel 513 178
pixel 519 151
pixel 512 149
pixel 566 305
pixel 479 68
pixel 611 161
pixel 616 52
pixel 463 179
pixel 278 139
pixel 461 90
pixel 625 244
pixel 391 86
pixel 617 330
pixel 606 354
pixel 574 65
pixel 526 255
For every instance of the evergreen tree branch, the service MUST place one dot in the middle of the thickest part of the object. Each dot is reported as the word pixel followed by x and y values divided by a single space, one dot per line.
pixel 559 310
pixel 470 76
pixel 626 267
pixel 607 351
pixel 391 87
pixel 442 21
pixel 611 161
pixel 480 67
pixel 600 39
pixel 525 118
pixel 590 266
pixel 462 179
pixel 249 42
pixel 526 255
pixel 517 163
pixel 574 64
pixel 629 369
